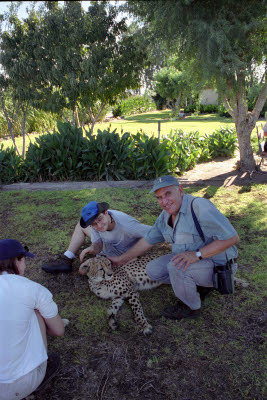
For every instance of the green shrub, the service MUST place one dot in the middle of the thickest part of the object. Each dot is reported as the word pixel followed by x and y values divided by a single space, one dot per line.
pixel 135 105
pixel 67 155
pixel 184 148
pixel 190 109
pixel 107 156
pixel 10 164
pixel 40 121
pixel 161 102
pixel 208 108
pixel 222 143
pixel 55 156
pixel 117 111
pixel 223 112
pixel 201 108
pixel 151 159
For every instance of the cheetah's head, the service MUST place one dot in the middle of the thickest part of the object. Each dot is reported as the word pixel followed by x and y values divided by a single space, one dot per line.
pixel 97 269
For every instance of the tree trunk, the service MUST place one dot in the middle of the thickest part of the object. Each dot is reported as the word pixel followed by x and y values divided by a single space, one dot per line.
pixel 9 124
pixel 245 122
pixel 93 118
pixel 77 116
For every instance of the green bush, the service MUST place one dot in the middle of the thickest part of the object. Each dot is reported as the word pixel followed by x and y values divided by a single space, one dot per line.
pixel 67 155
pixel 10 164
pixel 223 112
pixel 208 108
pixel 117 111
pixel 184 148
pixel 161 102
pixel 37 121
pixel 135 105
pixel 190 109
pixel 107 156
pixel 55 156
pixel 40 121
pixel 151 159
pixel 222 143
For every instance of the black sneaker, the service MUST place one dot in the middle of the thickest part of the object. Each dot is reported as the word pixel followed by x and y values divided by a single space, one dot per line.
pixel 61 264
pixel 53 366
pixel 204 291
pixel 179 311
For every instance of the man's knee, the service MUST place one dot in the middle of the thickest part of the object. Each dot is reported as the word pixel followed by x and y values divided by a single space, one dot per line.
pixel 156 271
pixel 173 269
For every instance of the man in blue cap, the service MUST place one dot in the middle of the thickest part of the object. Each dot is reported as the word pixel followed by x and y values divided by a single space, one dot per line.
pixel 189 268
pixel 111 232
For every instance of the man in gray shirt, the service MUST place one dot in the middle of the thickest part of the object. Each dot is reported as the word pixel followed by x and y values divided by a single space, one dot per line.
pixel 189 268
pixel 111 232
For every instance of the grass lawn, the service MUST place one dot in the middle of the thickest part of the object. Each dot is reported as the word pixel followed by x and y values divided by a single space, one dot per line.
pixel 219 356
pixel 148 122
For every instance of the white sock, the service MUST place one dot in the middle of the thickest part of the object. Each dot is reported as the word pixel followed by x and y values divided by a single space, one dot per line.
pixel 69 254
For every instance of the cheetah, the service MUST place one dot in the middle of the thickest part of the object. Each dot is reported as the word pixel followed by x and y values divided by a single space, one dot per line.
pixel 119 284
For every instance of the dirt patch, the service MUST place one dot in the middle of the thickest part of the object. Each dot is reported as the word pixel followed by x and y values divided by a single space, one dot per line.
pixel 223 172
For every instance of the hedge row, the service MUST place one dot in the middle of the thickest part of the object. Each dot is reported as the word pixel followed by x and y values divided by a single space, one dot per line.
pixel 67 155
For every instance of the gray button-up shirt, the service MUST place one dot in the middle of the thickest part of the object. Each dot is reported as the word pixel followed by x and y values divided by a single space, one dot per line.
pixel 184 235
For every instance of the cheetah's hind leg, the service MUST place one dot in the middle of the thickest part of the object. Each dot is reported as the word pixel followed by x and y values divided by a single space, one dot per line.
pixel 138 313
pixel 113 311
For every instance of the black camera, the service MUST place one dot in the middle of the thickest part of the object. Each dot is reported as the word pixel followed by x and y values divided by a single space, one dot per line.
pixel 223 278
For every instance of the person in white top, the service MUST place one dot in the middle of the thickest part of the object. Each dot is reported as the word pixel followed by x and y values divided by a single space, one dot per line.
pixel 112 233
pixel 27 314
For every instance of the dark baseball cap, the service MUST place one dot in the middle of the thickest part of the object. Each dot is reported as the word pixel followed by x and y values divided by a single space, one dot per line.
pixel 10 248
pixel 163 181
pixel 91 211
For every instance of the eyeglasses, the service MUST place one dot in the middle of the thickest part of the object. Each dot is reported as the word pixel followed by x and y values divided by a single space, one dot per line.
pixel 97 221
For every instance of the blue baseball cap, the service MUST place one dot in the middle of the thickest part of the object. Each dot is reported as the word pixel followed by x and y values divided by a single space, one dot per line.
pixel 10 248
pixel 163 181
pixel 91 211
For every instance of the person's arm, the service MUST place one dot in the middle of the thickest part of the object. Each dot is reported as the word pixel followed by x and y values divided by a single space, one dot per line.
pixel 212 249
pixel 54 326
pixel 94 249
pixel 137 250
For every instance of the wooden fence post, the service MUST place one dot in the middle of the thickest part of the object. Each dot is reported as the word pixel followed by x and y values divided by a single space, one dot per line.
pixel 159 131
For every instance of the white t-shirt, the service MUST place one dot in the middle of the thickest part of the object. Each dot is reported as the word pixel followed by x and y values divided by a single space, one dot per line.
pixel 21 344
pixel 126 233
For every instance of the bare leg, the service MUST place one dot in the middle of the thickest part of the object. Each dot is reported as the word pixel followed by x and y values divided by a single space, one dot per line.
pixel 42 327
pixel 78 238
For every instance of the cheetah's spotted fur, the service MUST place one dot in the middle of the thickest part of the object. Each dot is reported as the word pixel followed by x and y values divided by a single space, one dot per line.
pixel 119 284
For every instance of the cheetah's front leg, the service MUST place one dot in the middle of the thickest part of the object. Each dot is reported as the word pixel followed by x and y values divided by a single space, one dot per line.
pixel 138 313
pixel 113 311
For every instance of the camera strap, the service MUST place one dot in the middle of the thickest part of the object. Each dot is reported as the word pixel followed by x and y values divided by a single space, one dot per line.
pixel 197 224
pixel 198 227
pixel 223 280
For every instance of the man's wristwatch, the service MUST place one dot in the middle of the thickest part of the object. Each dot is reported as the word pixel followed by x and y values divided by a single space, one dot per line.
pixel 198 254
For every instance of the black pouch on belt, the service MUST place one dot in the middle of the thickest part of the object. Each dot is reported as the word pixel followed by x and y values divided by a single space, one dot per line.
pixel 223 278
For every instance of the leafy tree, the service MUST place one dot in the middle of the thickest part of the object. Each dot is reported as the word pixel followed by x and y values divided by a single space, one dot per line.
pixel 224 41
pixel 171 84
pixel 93 58
pixel 65 57
pixel 20 78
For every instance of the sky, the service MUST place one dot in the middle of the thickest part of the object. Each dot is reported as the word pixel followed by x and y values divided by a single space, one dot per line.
pixel 4 5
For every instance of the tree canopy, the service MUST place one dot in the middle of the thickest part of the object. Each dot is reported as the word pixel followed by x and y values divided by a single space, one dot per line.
pixel 63 56
pixel 171 84
pixel 224 41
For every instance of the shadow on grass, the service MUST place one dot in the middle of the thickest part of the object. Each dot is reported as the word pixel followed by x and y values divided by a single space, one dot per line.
pixel 165 116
